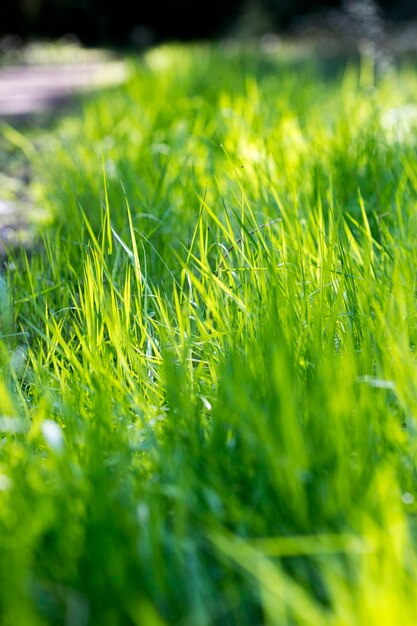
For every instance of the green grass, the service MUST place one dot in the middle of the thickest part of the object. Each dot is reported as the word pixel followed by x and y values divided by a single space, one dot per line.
pixel 208 374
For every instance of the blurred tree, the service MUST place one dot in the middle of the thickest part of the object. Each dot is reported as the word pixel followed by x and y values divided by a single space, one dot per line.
pixel 104 21
pixel 284 11
pixel 399 9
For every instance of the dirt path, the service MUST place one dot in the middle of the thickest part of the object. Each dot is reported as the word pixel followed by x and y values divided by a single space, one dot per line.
pixel 28 90
pixel 26 93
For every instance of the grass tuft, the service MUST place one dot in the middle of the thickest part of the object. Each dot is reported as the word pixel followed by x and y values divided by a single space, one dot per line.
pixel 208 370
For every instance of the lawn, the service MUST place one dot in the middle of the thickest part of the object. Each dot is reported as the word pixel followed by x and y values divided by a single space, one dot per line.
pixel 208 388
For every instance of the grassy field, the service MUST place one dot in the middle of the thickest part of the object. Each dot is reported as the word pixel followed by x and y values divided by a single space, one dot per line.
pixel 208 389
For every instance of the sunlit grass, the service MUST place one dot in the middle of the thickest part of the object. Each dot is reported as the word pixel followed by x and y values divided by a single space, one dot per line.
pixel 208 371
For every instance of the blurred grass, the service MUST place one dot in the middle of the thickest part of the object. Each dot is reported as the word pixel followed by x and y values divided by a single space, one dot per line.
pixel 207 390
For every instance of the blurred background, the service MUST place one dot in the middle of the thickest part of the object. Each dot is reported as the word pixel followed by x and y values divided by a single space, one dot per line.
pixel 144 22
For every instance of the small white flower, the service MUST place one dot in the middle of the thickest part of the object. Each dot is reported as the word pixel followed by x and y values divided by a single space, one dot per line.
pixel 407 498
pixel 400 123
pixel 5 482
pixel 53 435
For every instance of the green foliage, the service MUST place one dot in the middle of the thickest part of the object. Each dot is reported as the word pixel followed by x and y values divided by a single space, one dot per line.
pixel 207 390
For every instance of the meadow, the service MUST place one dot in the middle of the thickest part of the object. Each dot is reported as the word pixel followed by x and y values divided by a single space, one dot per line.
pixel 208 387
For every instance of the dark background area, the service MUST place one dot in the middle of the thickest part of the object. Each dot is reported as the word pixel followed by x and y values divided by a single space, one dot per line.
pixel 125 22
